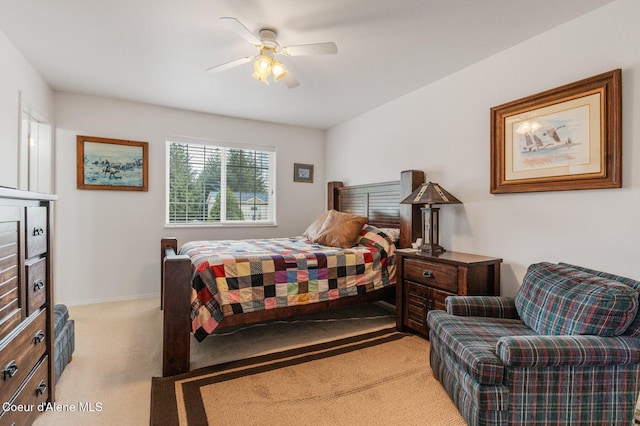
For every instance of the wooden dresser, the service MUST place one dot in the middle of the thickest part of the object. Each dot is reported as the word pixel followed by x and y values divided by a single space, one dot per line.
pixel 26 305
pixel 425 281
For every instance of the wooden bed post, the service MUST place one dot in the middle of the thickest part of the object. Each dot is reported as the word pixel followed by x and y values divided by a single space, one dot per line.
pixel 165 243
pixel 332 195
pixel 410 219
pixel 176 335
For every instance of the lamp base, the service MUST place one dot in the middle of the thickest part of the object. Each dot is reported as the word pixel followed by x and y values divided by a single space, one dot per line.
pixel 432 249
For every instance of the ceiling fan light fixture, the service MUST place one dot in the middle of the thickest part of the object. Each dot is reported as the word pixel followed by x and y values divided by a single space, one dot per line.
pixel 260 77
pixel 279 71
pixel 263 65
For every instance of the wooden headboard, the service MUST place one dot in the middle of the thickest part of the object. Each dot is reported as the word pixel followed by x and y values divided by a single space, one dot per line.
pixel 380 204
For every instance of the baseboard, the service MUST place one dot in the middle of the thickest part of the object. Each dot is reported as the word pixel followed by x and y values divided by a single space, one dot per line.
pixel 109 299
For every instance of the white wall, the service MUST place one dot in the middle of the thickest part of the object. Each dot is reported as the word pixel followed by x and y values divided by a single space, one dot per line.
pixel 106 246
pixel 444 130
pixel 19 79
pixel 108 241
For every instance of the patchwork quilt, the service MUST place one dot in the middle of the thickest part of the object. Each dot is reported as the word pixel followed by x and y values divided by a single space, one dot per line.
pixel 237 276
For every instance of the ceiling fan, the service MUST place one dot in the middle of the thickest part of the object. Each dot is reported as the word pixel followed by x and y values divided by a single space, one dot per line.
pixel 266 63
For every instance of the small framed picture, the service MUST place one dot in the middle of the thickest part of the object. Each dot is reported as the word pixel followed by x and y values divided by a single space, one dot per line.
pixel 303 172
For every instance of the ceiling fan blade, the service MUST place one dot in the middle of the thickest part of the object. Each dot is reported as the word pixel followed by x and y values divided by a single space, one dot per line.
pixel 230 64
pixel 290 80
pixel 243 31
pixel 328 48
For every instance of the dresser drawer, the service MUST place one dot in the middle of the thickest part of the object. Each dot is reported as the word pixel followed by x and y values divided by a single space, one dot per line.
pixel 8 253
pixel 20 355
pixel 34 393
pixel 36 229
pixel 442 276
pixel 10 313
pixel 36 284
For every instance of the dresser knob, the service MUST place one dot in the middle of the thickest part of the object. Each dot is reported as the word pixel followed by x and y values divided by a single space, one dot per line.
pixel 427 274
pixel 38 285
pixel 41 389
pixel 10 370
pixel 39 337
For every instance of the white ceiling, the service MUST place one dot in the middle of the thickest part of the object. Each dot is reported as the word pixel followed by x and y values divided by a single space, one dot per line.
pixel 156 51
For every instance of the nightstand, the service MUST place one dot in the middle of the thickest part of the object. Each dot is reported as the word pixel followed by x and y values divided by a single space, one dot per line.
pixel 424 281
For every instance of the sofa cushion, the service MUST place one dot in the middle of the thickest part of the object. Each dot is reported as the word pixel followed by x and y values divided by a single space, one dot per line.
pixel 634 328
pixel 557 299
pixel 471 341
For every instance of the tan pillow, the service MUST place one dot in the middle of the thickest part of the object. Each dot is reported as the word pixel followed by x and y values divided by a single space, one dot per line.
pixel 340 229
pixel 314 230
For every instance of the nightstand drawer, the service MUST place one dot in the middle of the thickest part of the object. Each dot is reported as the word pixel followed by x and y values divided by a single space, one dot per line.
pixel 442 276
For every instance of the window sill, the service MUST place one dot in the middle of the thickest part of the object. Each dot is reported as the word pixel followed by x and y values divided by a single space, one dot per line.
pixel 220 225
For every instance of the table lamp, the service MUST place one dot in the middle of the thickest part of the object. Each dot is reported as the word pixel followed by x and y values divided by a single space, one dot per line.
pixel 430 194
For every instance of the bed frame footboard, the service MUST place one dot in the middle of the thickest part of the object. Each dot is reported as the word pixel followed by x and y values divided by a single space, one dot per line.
pixel 175 296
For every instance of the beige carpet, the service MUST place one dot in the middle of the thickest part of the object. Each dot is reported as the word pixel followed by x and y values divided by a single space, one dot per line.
pixel 118 351
pixel 377 378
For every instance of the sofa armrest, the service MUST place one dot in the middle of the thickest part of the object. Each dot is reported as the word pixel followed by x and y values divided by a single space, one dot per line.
pixel 482 306
pixel 553 351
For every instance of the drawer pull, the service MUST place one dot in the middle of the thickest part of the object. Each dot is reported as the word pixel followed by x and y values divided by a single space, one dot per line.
pixel 39 337
pixel 427 274
pixel 37 232
pixel 10 370
pixel 41 389
pixel 38 285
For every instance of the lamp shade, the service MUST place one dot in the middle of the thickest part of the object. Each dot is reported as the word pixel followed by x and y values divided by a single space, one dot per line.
pixel 430 193
pixel 263 65
pixel 279 71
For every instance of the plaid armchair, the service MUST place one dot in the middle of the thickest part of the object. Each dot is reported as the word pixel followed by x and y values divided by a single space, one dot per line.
pixel 564 351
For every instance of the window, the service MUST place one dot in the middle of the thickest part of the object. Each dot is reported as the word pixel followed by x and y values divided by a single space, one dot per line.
pixel 219 184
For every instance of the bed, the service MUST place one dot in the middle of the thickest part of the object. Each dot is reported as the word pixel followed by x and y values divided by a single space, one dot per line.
pixel 379 203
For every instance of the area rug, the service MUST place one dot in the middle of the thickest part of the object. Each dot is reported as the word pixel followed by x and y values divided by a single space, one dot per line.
pixel 376 378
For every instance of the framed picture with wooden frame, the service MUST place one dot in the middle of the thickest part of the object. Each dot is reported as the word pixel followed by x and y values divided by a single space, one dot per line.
pixel 566 138
pixel 303 172
pixel 112 164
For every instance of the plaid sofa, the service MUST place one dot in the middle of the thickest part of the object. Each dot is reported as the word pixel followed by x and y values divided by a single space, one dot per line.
pixel 564 351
